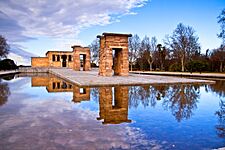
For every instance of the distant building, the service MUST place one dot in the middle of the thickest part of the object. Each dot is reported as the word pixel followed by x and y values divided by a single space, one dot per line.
pixel 77 59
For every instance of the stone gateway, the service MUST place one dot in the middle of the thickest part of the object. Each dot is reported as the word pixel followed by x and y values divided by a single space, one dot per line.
pixel 113 54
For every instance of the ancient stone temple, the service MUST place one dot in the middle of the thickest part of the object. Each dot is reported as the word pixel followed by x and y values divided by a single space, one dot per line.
pixel 78 59
pixel 113 54
pixel 54 59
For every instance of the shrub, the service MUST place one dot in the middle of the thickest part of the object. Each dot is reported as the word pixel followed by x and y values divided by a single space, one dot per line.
pixel 175 67
pixel 8 64
pixel 197 66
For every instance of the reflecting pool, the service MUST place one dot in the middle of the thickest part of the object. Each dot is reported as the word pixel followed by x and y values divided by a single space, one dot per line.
pixel 44 112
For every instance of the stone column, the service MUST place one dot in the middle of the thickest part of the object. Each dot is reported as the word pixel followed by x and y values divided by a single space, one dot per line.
pixel 87 63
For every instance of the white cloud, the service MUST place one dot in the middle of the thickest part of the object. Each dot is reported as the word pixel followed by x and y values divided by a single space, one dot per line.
pixel 65 18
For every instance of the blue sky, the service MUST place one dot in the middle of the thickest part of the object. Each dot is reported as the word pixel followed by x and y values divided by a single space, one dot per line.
pixel 39 26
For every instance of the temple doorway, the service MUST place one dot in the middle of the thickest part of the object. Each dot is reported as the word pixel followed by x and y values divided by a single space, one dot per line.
pixel 64 57
pixel 116 54
pixel 82 62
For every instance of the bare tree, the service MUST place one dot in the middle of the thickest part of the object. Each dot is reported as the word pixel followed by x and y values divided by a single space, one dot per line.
pixel 221 21
pixel 218 55
pixel 162 55
pixel 183 43
pixel 94 49
pixel 4 47
pixel 134 47
pixel 153 49
pixel 149 48
pixel 145 49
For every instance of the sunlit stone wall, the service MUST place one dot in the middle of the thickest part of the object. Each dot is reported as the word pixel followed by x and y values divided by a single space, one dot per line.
pixel 85 51
pixel 113 54
pixel 39 62
pixel 65 59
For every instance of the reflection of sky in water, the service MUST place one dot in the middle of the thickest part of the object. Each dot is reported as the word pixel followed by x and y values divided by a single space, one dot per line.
pixel 34 118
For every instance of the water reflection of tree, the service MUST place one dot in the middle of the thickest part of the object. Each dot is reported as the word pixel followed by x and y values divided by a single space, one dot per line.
pixel 8 77
pixel 146 95
pixel 139 94
pixel 219 89
pixel 4 93
pixel 221 119
pixel 181 100
pixel 95 94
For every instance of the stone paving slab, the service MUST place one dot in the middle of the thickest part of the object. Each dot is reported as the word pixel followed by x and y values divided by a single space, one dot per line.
pixel 91 78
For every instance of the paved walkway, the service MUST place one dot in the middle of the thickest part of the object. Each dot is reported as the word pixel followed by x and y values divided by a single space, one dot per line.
pixel 91 78
pixel 8 72
pixel 184 74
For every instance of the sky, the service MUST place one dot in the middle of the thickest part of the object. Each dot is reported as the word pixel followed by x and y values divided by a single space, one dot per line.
pixel 38 26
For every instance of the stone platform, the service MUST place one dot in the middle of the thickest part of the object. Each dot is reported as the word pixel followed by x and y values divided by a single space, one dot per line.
pixel 91 78
pixel 182 74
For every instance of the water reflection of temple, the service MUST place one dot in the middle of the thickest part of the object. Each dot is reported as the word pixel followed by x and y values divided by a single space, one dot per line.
pixel 113 105
pixel 113 101
pixel 54 84
pixel 81 94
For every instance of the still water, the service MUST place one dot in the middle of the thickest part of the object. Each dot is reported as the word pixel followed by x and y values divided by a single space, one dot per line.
pixel 44 112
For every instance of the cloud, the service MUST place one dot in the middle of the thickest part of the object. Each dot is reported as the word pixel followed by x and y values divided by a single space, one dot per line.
pixel 9 28
pixel 22 19
pixel 51 122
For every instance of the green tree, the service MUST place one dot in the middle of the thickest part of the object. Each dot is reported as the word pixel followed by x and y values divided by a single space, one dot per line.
pixel 4 47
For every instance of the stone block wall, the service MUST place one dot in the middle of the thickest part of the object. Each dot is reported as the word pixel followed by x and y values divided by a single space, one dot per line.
pixel 85 51
pixel 58 63
pixel 62 59
pixel 119 64
pixel 39 62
